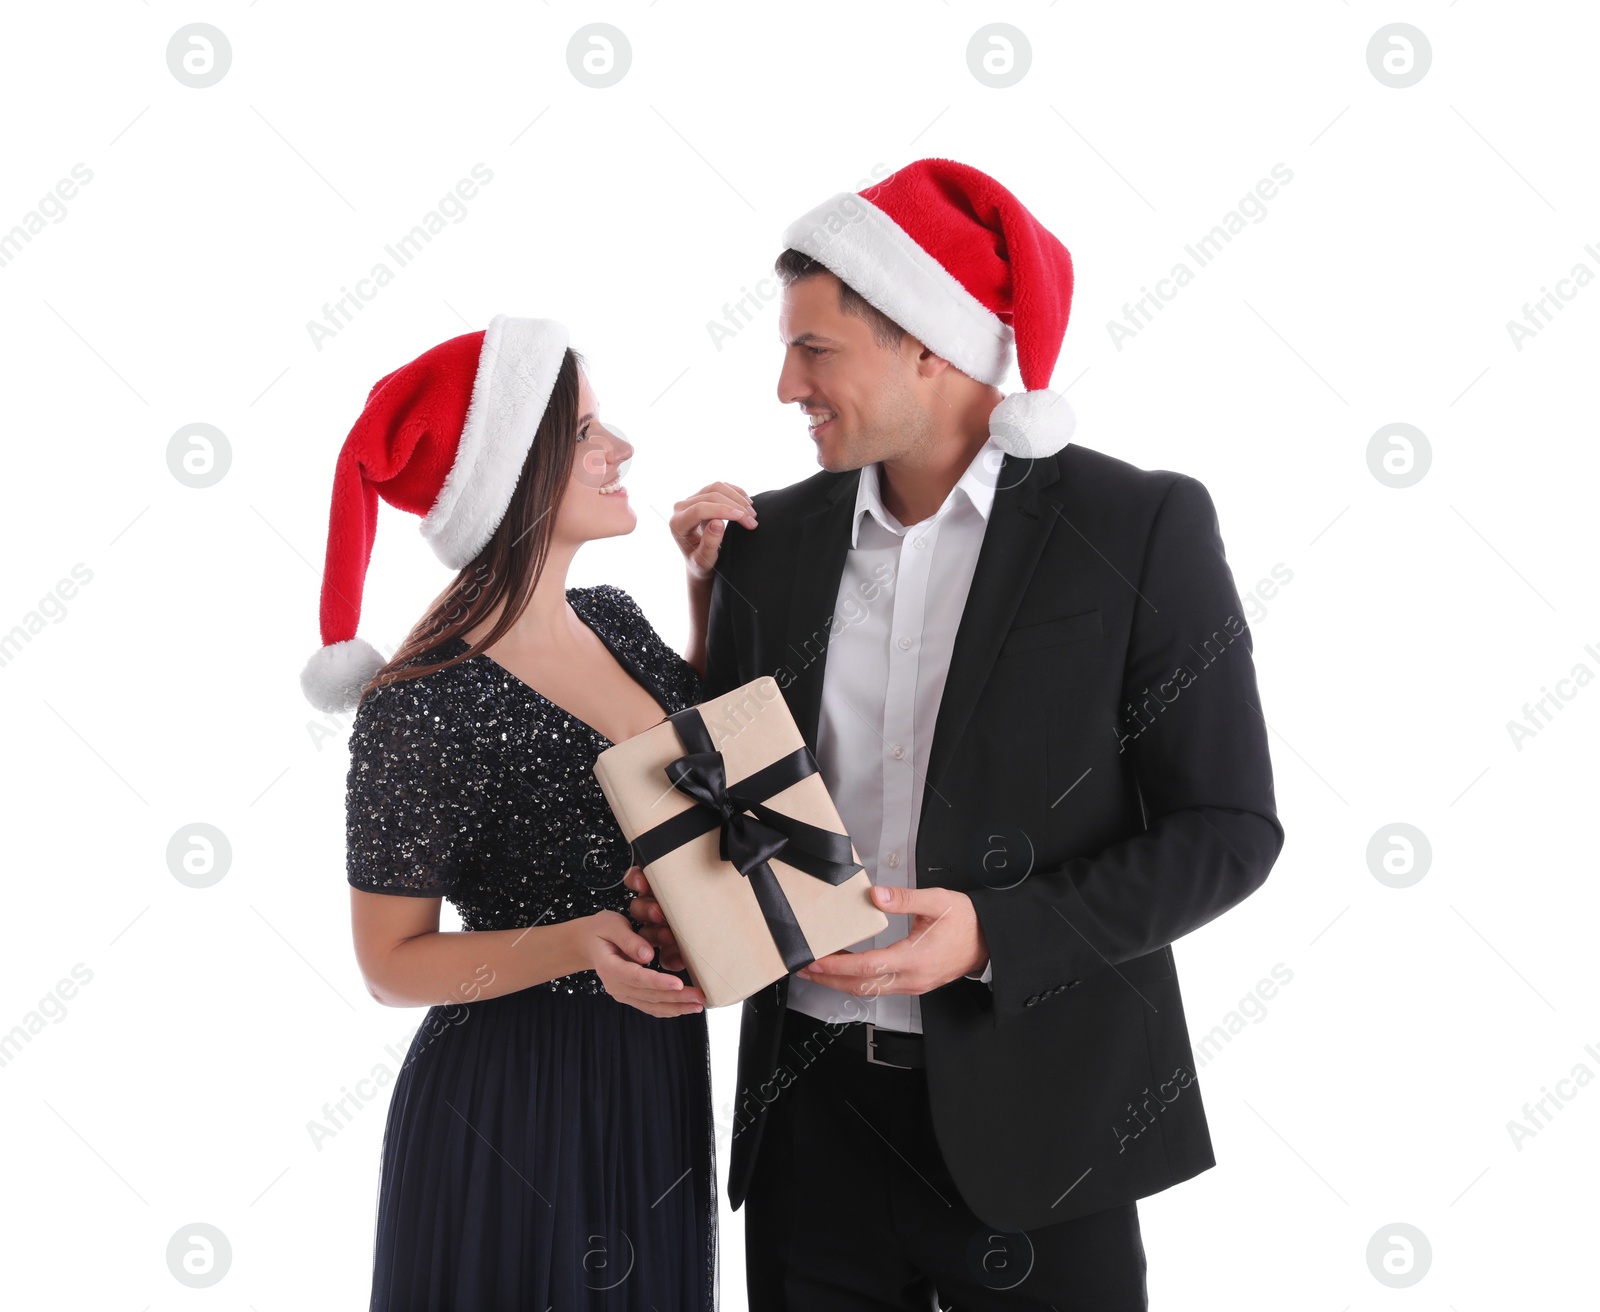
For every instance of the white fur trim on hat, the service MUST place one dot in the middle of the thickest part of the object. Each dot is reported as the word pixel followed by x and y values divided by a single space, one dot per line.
pixel 1032 424
pixel 517 369
pixel 869 251
pixel 335 675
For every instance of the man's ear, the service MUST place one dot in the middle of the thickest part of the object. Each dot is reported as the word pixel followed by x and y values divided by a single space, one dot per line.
pixel 927 364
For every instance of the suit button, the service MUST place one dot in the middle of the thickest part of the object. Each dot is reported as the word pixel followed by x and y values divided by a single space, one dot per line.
pixel 1071 984
pixel 1028 1002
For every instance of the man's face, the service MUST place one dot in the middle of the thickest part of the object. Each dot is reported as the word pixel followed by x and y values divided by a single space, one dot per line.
pixel 863 400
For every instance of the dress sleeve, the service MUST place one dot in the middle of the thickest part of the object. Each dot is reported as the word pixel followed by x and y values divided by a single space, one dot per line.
pixel 690 686
pixel 410 808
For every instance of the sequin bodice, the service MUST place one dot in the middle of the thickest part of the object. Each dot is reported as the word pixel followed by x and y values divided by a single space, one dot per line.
pixel 467 784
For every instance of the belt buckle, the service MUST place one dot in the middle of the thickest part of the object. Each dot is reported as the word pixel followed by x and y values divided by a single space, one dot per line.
pixel 872 1048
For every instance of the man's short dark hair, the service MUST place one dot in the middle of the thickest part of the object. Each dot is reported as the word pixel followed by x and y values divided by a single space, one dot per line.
pixel 794 265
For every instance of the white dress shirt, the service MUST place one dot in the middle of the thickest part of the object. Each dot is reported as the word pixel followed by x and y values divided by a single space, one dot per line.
pixel 900 601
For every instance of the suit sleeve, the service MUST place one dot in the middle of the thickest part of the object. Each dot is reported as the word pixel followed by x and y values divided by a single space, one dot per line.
pixel 1202 770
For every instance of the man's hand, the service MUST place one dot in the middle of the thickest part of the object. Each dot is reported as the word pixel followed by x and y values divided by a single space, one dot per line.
pixel 945 942
pixel 647 912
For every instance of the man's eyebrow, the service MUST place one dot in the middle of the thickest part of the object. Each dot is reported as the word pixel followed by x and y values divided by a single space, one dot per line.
pixel 806 339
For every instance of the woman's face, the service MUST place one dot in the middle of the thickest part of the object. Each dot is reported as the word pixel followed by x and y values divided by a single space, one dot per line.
pixel 595 506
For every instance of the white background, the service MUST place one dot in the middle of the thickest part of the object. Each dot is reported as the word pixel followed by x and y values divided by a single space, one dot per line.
pixel 1376 1087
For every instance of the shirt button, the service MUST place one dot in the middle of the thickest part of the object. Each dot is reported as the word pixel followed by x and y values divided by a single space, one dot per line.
pixel 905 643
pixel 893 859
pixel 899 753
pixel 918 543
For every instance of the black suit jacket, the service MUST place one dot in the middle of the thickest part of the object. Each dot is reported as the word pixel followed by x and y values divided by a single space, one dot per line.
pixel 1098 783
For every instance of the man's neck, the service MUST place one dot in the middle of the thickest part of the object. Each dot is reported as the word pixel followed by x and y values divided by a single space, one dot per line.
pixel 913 489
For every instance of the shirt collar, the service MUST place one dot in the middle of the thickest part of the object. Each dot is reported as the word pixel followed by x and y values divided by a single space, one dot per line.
pixel 977 482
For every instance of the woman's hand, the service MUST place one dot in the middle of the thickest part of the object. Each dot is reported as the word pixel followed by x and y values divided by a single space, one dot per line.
pixel 614 952
pixel 647 911
pixel 697 524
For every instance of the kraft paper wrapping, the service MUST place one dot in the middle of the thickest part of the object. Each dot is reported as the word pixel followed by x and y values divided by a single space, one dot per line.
pixel 712 909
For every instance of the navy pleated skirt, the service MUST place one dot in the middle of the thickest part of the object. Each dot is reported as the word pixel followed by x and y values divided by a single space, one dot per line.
pixel 549 1150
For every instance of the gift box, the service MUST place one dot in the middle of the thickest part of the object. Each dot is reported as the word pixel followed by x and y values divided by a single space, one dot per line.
pixel 727 813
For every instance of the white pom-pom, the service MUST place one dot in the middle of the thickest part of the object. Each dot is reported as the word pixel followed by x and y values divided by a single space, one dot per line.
pixel 335 675
pixel 1032 424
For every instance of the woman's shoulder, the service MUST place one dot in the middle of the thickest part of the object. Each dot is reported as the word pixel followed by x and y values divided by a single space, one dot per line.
pixel 420 694
pixel 613 608
pixel 607 599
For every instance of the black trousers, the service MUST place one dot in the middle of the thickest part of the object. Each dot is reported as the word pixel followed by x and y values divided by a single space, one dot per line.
pixel 850 1207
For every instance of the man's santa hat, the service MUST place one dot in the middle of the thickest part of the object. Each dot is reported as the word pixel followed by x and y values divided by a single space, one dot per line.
pixel 953 258
pixel 444 437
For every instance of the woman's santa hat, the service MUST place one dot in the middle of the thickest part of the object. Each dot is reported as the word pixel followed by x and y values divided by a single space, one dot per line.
pixel 953 258
pixel 444 437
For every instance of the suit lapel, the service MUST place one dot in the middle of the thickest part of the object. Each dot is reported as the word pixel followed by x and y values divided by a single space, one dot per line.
pixel 1020 521
pixel 814 592
pixel 1019 524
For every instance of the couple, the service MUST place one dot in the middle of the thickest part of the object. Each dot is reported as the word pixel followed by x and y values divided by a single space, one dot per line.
pixel 1022 669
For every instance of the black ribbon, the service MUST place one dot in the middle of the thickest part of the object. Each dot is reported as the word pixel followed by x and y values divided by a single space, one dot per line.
pixel 751 834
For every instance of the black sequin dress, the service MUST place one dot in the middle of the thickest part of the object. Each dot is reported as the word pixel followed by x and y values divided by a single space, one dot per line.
pixel 551 1147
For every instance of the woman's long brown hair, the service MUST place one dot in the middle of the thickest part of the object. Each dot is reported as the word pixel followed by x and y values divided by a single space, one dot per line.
pixel 510 563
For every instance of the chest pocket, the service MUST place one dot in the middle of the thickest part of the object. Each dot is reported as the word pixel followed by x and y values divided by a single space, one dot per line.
pixel 1052 633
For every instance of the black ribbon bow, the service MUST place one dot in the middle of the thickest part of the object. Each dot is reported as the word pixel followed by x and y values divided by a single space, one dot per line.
pixel 751 834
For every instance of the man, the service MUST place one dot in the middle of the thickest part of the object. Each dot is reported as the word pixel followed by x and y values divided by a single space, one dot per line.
pixel 1023 670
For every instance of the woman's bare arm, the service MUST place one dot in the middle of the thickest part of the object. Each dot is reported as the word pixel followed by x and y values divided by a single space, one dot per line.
pixel 699 610
pixel 407 961
pixel 698 524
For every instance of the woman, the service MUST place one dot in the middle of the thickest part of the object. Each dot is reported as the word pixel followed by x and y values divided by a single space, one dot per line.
pixel 549 1138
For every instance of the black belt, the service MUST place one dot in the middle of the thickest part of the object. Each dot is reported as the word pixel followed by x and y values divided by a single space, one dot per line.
pixel 875 1045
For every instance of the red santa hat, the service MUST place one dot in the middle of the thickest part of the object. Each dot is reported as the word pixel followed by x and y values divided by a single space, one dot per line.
pixel 957 261
pixel 444 437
